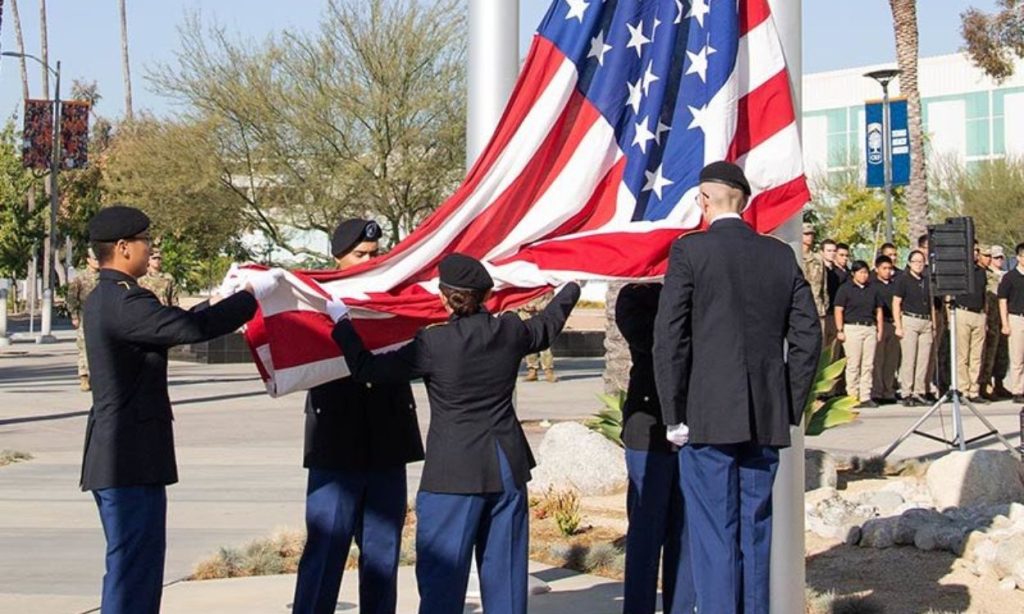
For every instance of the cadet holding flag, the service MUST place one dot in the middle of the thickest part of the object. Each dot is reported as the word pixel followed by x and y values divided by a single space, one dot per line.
pixel 473 492
pixel 128 458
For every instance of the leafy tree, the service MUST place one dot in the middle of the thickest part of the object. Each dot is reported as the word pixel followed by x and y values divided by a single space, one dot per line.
pixel 993 194
pixel 364 116
pixel 19 227
pixel 994 40
pixel 848 212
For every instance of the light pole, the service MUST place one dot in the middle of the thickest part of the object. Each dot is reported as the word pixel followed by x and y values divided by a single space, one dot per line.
pixel 49 254
pixel 883 77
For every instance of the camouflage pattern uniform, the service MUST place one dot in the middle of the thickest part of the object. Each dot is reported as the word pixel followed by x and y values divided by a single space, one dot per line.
pixel 814 270
pixel 990 363
pixel 78 291
pixel 163 286
pixel 545 359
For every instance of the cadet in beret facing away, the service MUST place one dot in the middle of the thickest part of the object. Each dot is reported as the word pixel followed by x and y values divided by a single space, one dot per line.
pixel 473 491
pixel 359 438
pixel 129 443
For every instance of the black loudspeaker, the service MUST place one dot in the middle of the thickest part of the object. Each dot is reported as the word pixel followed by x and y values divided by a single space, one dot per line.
pixel 951 257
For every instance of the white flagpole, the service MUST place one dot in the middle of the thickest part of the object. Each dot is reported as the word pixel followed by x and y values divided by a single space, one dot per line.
pixel 788 573
pixel 492 69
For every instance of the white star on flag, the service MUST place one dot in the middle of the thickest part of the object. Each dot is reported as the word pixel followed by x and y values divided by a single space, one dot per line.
pixel 654 30
pixel 662 128
pixel 699 116
pixel 657 181
pixel 598 48
pixel 679 16
pixel 699 62
pixel 576 9
pixel 636 94
pixel 643 135
pixel 636 37
pixel 649 77
pixel 699 9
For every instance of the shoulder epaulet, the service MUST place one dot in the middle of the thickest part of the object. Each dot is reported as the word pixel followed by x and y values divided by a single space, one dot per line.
pixel 692 233
pixel 126 285
pixel 435 325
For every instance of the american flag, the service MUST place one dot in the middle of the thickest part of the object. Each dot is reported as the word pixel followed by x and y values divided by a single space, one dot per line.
pixel 591 173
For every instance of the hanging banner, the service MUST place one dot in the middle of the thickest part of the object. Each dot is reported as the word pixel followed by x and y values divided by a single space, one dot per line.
pixel 899 143
pixel 37 135
pixel 74 134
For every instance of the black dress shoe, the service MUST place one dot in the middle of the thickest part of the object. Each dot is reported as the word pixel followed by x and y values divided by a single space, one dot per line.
pixel 1018 398
pixel 924 402
pixel 1001 392
pixel 910 402
pixel 930 398
pixel 867 404
pixel 977 400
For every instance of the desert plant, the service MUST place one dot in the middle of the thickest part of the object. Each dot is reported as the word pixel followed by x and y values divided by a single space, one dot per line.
pixel 822 413
pixel 277 554
pixel 608 421
pixel 600 555
pixel 565 507
pixel 9 457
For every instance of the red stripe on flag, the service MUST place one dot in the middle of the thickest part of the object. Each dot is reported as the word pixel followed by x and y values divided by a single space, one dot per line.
pixel 752 14
pixel 612 254
pixel 761 114
pixel 773 207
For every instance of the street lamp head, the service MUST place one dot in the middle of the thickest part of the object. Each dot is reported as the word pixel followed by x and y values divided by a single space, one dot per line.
pixel 883 76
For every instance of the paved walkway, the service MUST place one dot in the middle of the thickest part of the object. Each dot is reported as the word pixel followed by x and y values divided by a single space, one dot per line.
pixel 240 465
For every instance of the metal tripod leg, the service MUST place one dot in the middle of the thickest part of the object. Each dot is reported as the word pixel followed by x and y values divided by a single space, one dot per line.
pixel 992 430
pixel 920 421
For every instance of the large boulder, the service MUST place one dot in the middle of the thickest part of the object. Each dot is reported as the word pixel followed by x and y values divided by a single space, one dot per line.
pixel 573 456
pixel 978 477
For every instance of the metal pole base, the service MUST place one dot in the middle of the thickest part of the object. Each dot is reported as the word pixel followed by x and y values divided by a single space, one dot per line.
pixel 45 339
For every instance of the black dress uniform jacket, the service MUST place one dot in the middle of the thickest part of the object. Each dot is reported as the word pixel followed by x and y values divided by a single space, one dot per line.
pixel 469 366
pixel 642 426
pixel 736 346
pixel 353 425
pixel 129 440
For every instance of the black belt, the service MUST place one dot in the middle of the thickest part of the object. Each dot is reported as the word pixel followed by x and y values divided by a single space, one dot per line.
pixel 917 315
pixel 969 309
pixel 861 323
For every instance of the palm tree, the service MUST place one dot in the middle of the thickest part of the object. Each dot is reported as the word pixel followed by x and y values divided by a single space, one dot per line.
pixel 21 48
pixel 904 17
pixel 44 48
pixel 125 69
pixel 616 350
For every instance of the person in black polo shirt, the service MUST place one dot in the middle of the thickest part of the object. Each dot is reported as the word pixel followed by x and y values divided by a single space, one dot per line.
pixel 859 324
pixel 887 354
pixel 1011 312
pixel 913 323
pixel 970 333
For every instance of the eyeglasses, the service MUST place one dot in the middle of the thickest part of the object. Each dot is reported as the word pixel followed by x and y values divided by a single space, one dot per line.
pixel 999 257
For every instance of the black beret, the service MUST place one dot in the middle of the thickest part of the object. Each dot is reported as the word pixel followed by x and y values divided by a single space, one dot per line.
pixel 726 173
pixel 463 272
pixel 116 223
pixel 352 232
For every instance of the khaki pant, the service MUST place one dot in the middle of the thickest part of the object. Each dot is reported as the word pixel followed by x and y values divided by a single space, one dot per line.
pixel 860 347
pixel 544 359
pixel 915 356
pixel 1016 374
pixel 83 360
pixel 887 362
pixel 970 343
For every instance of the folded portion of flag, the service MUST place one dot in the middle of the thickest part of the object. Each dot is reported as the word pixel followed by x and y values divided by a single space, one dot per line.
pixel 591 173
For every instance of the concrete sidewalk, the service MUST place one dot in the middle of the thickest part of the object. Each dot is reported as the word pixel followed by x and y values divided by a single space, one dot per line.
pixel 240 455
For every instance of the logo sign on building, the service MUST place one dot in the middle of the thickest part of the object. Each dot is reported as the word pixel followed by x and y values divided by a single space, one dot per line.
pixel 899 139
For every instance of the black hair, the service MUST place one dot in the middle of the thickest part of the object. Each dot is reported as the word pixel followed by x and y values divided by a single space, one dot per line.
pixel 829 242
pixel 104 250
pixel 858 265
pixel 1019 248
pixel 463 302
pixel 886 246
pixel 882 260
pixel 840 246
pixel 917 252
pixel 922 240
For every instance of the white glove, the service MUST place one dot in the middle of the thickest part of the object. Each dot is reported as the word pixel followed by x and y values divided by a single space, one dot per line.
pixel 231 284
pixel 678 434
pixel 265 282
pixel 337 309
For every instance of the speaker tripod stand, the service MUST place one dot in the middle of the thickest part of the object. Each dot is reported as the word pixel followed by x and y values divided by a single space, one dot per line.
pixel 957 400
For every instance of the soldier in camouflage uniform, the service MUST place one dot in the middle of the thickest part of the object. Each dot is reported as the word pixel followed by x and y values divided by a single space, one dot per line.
pixel 813 266
pixel 78 291
pixel 159 283
pixel 545 359
pixel 994 339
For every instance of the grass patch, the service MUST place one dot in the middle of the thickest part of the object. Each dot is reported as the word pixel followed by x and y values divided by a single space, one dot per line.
pixel 830 603
pixel 9 457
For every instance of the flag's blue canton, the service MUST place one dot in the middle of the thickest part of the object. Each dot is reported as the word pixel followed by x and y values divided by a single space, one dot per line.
pixel 651 67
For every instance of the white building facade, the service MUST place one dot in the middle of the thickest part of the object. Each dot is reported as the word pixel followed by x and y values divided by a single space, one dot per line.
pixel 968 117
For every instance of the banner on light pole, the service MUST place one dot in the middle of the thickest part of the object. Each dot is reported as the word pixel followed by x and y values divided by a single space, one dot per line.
pixel 899 143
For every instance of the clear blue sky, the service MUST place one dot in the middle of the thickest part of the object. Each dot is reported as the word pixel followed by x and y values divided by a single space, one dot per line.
pixel 84 35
